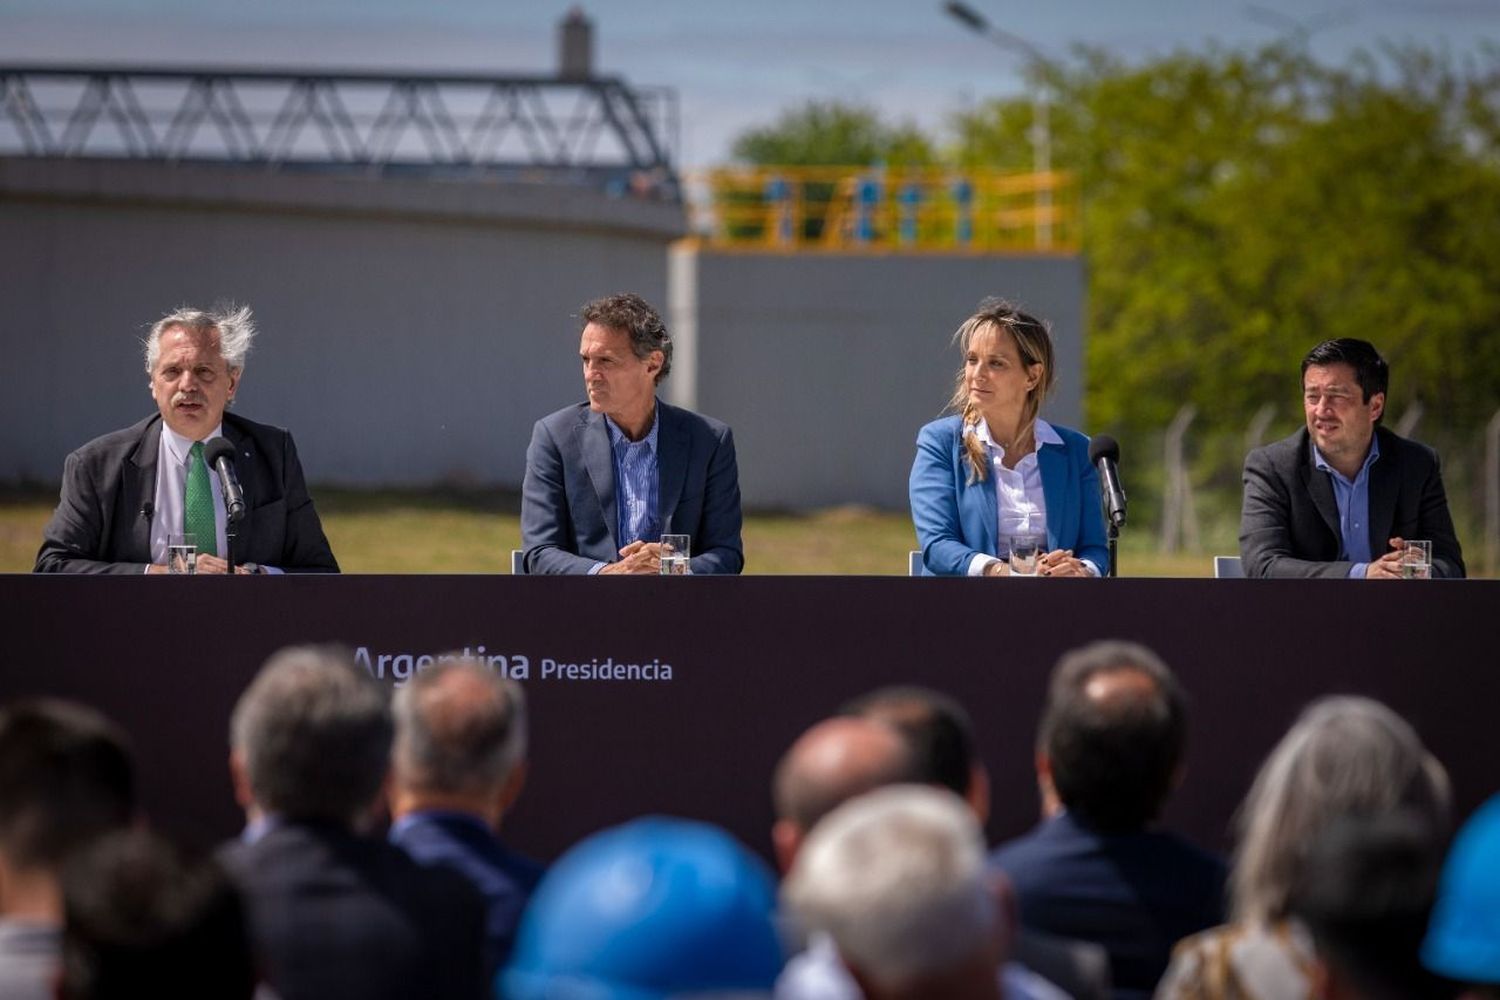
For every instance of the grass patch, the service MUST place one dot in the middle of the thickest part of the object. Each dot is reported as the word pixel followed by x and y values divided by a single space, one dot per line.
pixel 473 532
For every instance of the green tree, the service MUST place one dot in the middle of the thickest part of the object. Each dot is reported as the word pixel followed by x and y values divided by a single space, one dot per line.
pixel 1240 207
pixel 830 133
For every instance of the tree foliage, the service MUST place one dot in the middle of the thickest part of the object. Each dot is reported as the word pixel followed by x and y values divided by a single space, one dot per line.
pixel 1241 206
pixel 829 133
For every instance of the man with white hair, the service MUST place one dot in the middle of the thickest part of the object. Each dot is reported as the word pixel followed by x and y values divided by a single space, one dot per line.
pixel 125 494
pixel 896 878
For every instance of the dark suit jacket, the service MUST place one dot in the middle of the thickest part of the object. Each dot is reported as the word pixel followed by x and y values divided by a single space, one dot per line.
pixel 568 511
pixel 1289 523
pixel 100 526
pixel 463 843
pixel 1137 894
pixel 334 915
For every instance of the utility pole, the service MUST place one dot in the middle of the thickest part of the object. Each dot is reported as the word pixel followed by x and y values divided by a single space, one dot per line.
pixel 1041 115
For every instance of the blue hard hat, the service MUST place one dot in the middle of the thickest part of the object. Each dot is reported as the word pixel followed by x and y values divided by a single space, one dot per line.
pixel 653 908
pixel 1463 936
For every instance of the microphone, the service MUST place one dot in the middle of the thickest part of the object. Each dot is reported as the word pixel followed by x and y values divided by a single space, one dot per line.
pixel 148 510
pixel 219 454
pixel 1104 453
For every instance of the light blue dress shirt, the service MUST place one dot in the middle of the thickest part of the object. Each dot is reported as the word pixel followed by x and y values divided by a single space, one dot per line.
pixel 1353 498
pixel 637 484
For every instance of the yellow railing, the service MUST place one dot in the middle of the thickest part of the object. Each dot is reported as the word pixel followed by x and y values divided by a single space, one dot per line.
pixel 852 209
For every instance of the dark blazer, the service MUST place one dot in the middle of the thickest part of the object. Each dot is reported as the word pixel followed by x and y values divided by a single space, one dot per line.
pixel 465 844
pixel 100 524
pixel 956 519
pixel 334 915
pixel 568 512
pixel 1289 523
pixel 1136 894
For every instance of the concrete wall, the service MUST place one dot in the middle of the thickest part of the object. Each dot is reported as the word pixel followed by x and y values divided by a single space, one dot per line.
pixel 411 331
pixel 827 366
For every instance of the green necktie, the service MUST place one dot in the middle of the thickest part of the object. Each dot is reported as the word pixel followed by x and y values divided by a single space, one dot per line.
pixel 198 506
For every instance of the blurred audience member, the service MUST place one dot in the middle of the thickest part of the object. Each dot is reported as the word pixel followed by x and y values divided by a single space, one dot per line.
pixel 1364 896
pixel 1463 941
pixel 335 912
pixel 143 921
pixel 1109 754
pixel 66 779
pixel 940 734
pixel 459 765
pixel 1343 757
pixel 829 764
pixel 654 908
pixel 838 760
pixel 896 879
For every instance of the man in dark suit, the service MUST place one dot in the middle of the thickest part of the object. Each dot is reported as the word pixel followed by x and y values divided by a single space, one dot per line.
pixel 1341 497
pixel 334 912
pixel 607 478
pixel 125 493
pixel 459 765
pixel 1095 869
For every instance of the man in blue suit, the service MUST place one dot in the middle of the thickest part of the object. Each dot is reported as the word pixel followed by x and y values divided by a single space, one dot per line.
pixel 457 768
pixel 607 478
pixel 1097 868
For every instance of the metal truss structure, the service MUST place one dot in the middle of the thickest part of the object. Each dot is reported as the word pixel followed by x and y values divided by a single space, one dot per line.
pixel 597 129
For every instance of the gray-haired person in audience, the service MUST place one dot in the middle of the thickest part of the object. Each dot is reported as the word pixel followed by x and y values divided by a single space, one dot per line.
pixel 896 878
pixel 459 765
pixel 1344 756
pixel 336 912
pixel 836 761
pixel 66 780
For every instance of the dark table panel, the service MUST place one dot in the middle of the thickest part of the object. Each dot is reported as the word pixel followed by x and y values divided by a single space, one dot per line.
pixel 754 661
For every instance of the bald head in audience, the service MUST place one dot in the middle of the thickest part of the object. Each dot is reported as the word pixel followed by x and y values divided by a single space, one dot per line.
pixel 832 762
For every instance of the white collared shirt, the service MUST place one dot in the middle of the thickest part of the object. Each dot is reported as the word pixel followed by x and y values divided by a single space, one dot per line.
pixel 1019 498
pixel 171 487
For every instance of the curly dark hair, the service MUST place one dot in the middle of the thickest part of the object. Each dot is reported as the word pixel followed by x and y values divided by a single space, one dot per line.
pixel 630 313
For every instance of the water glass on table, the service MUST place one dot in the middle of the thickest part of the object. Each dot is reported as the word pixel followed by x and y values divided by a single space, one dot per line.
pixel 182 553
pixel 1416 559
pixel 675 553
pixel 1026 550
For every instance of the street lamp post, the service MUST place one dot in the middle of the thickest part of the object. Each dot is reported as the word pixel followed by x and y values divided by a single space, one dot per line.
pixel 1041 117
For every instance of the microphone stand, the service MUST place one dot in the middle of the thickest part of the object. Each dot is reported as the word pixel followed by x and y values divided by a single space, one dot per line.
pixel 231 523
pixel 1114 547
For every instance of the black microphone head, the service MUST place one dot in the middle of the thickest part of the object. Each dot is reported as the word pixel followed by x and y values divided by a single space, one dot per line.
pixel 1103 446
pixel 216 449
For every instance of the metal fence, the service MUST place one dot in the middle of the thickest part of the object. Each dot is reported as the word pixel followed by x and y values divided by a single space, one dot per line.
pixel 851 208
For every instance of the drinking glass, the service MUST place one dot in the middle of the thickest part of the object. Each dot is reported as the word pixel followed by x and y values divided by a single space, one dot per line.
pixel 1416 560
pixel 1025 550
pixel 675 552
pixel 182 553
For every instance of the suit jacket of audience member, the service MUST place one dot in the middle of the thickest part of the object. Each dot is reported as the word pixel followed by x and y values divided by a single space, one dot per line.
pixel 464 843
pixel 955 519
pixel 1289 524
pixel 1137 894
pixel 335 915
pixel 101 524
pixel 569 518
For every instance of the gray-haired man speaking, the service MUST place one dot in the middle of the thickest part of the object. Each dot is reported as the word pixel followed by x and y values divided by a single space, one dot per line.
pixel 125 494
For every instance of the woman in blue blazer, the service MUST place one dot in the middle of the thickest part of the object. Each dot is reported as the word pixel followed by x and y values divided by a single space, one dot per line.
pixel 995 468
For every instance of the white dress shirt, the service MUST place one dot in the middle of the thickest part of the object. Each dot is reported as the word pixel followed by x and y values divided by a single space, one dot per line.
pixel 171 492
pixel 1019 498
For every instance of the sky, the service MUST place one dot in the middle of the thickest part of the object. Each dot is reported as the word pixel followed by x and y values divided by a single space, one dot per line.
pixel 734 65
